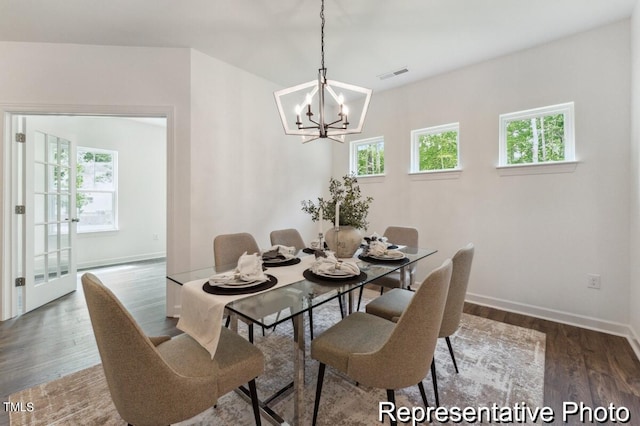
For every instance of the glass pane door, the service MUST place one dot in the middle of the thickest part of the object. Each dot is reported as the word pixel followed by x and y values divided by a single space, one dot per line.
pixel 50 273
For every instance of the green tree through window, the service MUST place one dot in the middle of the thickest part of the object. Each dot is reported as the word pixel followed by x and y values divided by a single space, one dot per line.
pixel 538 139
pixel 537 136
pixel 367 157
pixel 438 151
pixel 96 190
pixel 435 148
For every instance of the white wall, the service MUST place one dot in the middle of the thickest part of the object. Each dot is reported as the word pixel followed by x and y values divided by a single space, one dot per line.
pixel 142 181
pixel 634 299
pixel 247 175
pixel 106 79
pixel 536 236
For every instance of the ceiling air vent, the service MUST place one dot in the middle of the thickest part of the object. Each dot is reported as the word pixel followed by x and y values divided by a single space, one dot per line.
pixel 390 74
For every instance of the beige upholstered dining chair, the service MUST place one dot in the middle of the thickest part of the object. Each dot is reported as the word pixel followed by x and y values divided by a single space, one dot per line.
pixel 287 237
pixel 164 380
pixel 382 354
pixel 399 235
pixel 391 305
pixel 227 249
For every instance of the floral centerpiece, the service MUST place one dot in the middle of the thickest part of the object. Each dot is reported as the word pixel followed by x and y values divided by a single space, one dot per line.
pixel 351 208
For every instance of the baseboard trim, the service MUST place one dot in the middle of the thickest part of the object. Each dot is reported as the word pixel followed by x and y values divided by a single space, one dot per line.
pixel 120 260
pixel 634 341
pixel 582 321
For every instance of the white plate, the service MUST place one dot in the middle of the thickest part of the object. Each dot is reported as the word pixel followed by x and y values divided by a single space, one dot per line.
pixel 394 256
pixel 275 260
pixel 336 274
pixel 232 282
pixel 244 284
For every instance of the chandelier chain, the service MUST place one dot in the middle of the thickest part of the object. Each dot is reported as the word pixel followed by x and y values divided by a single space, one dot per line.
pixel 322 34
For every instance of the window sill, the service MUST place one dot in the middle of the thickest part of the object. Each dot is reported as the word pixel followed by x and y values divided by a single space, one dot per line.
pixel 371 179
pixel 97 232
pixel 537 169
pixel 436 174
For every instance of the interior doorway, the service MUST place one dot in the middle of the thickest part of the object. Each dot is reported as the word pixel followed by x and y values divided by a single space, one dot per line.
pixel 93 191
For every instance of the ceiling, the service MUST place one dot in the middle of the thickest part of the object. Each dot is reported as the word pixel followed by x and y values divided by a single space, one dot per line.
pixel 280 39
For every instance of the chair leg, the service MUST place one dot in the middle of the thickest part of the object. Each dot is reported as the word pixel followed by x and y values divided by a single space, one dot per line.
pixel 423 394
pixel 254 401
pixel 360 297
pixel 391 396
pixel 434 379
pixel 316 404
pixel 251 333
pixel 381 290
pixel 274 327
pixel 228 321
pixel 342 307
pixel 453 357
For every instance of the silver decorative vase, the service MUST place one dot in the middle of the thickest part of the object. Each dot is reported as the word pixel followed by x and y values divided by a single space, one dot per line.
pixel 344 242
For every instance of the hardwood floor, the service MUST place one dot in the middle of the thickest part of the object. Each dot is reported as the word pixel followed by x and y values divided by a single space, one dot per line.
pixel 581 365
pixel 56 340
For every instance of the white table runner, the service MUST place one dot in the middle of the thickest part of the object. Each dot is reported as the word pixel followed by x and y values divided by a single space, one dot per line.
pixel 202 313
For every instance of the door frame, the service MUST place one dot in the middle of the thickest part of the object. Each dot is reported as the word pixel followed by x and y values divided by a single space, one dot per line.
pixel 8 291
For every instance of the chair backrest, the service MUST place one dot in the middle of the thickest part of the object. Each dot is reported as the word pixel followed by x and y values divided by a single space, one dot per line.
pixel 287 237
pixel 132 365
pixel 403 235
pixel 406 236
pixel 405 358
pixel 227 249
pixel 457 290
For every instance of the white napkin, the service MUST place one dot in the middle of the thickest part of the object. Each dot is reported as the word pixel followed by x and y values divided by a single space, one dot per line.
pixel 284 251
pixel 376 237
pixel 249 269
pixel 315 244
pixel 379 249
pixel 329 265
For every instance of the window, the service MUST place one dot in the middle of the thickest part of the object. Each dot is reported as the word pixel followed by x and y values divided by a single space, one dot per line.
pixel 435 148
pixel 96 196
pixel 541 135
pixel 367 157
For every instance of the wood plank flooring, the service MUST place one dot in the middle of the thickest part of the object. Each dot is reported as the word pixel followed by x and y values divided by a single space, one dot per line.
pixel 55 340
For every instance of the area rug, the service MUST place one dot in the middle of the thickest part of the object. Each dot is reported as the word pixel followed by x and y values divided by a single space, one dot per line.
pixel 499 364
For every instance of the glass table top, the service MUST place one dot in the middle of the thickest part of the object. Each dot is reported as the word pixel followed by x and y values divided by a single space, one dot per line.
pixel 280 304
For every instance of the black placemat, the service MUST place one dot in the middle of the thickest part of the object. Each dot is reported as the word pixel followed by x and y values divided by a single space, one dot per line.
pixel 374 260
pixel 289 262
pixel 228 291
pixel 342 280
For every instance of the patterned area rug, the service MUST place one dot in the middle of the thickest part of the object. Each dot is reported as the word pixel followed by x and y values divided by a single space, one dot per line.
pixel 498 363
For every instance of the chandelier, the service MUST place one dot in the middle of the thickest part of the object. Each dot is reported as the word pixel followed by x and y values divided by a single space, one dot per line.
pixel 330 97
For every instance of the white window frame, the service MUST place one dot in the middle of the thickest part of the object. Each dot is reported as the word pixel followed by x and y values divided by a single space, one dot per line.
pixel 113 192
pixel 415 148
pixel 569 136
pixel 353 154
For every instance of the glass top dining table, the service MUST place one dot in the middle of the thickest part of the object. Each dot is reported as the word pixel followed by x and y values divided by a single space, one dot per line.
pixel 310 293
pixel 291 301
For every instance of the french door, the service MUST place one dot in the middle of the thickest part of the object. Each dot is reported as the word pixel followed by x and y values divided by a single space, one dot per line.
pixel 49 223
